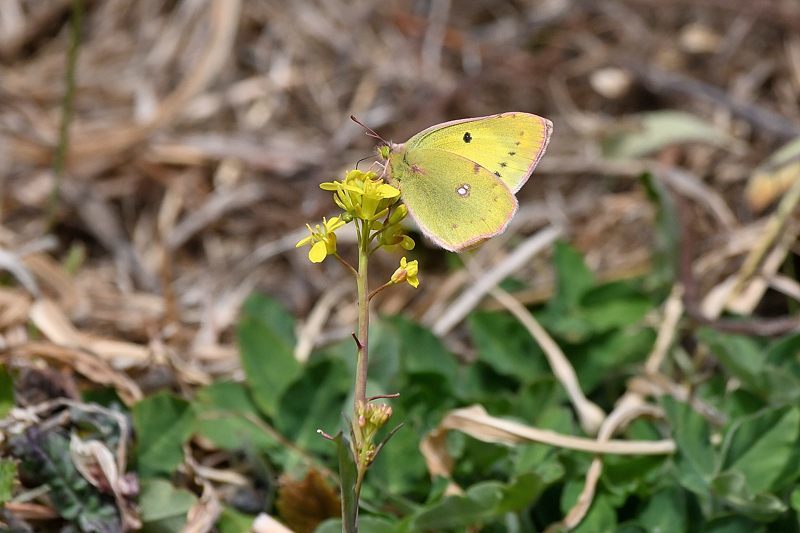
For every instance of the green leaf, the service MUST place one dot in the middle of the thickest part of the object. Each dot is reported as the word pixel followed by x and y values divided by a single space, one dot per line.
pixel 8 472
pixel 232 521
pixel 45 459
pixel 573 278
pixel 606 356
pixel 422 352
pixel 614 305
pixel 649 132
pixel 733 489
pixel 266 343
pixel 163 423
pixel 476 505
pixel 163 507
pixel 347 481
pixel 665 511
pixel 764 447
pixel 315 401
pixel 732 524
pixel 400 468
pixel 601 517
pixel 222 410
pixel 6 392
pixel 696 460
pixel 795 499
pixel 505 346
pixel 521 492
pixel 667 238
pixel 740 355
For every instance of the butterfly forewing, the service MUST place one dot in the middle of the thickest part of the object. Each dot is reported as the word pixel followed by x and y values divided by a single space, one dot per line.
pixel 508 145
pixel 455 201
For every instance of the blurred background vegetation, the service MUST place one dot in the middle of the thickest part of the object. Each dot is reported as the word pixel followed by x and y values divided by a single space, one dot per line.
pixel 166 355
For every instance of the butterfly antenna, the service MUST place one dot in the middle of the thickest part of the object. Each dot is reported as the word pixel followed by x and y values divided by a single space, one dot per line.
pixel 363 159
pixel 370 132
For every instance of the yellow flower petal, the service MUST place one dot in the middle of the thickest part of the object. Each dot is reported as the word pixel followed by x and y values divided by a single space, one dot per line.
pixel 303 242
pixel 387 191
pixel 318 252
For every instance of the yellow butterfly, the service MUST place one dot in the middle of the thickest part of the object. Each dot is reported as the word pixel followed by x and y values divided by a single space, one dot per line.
pixel 459 178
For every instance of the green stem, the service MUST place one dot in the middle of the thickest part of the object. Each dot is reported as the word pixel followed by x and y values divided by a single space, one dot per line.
pixel 360 396
pixel 362 362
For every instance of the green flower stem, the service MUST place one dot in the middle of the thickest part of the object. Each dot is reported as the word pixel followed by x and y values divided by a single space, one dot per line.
pixel 363 320
pixel 362 361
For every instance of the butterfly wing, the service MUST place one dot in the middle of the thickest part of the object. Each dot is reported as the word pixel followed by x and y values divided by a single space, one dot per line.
pixel 509 145
pixel 456 202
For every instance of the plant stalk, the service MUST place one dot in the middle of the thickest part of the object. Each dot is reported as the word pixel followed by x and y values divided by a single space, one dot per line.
pixel 362 362
pixel 360 396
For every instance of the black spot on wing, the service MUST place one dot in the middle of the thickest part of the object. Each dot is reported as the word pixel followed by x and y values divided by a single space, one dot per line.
pixel 512 153
pixel 467 137
pixel 496 173
pixel 503 164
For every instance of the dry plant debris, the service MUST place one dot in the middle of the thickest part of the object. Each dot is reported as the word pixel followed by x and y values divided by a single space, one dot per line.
pixel 200 131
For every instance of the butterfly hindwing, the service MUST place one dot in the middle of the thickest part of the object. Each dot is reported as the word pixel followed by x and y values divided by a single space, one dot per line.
pixel 456 202
pixel 509 145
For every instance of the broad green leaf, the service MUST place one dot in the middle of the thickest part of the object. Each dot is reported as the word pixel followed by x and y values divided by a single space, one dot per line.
pixel 6 392
pixel 476 505
pixel 573 278
pixel 601 516
pixel 314 401
pixel 614 305
pixel 646 133
pixel 614 354
pixel 8 472
pixel 422 352
pixel 740 355
pixel 732 524
pixel 163 423
pixel 222 411
pixel 507 347
pixel 764 447
pixel 665 511
pixel 385 346
pixel 399 468
pixel 696 459
pixel 163 507
pixel 232 521
pixel 795 499
pixel 625 476
pixel 266 342
pixel 732 487
pixel 521 492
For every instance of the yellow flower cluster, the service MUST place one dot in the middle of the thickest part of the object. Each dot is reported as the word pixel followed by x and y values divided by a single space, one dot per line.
pixel 364 196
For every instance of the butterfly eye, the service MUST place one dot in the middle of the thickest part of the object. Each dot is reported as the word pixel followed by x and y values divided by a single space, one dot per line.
pixel 463 190
pixel 467 137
